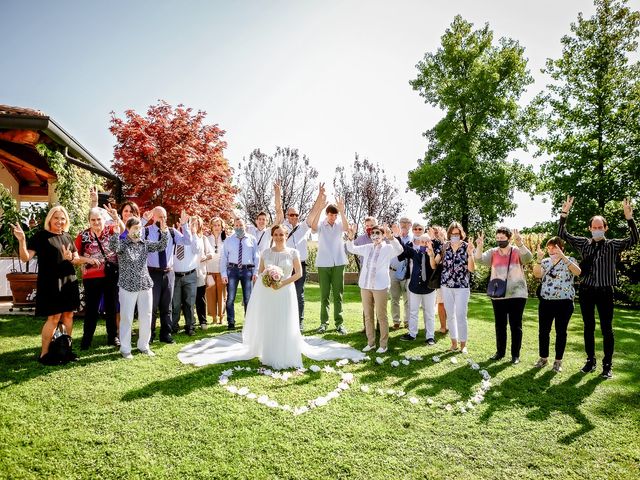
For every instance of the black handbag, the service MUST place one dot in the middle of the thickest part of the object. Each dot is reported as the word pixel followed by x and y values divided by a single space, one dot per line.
pixel 111 269
pixel 434 279
pixel 497 288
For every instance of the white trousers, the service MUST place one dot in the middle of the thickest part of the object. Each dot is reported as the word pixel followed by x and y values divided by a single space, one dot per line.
pixel 128 302
pixel 427 301
pixel 456 303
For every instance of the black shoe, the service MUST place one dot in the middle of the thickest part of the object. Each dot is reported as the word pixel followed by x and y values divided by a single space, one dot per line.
pixel 175 330
pixel 231 327
pixel 606 371
pixel 167 339
pixel 191 333
pixel 407 338
pixel 152 337
pixel 430 341
pixel 590 366
pixel 114 342
pixel 84 347
pixel 515 360
pixel 496 356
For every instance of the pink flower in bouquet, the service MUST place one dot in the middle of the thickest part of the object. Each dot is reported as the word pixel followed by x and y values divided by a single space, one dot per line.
pixel 272 275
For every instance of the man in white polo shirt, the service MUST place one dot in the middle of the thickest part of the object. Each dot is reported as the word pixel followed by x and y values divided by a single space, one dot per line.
pixel 261 231
pixel 298 234
pixel 331 260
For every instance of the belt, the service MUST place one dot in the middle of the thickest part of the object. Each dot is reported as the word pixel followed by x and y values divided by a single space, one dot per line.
pixel 157 269
pixel 184 274
pixel 235 265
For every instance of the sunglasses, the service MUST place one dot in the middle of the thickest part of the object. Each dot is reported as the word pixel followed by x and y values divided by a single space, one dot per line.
pixel 418 229
pixel 294 215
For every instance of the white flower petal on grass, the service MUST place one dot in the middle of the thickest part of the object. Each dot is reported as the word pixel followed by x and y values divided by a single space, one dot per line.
pixel 320 401
pixel 243 391
pixel 405 362
pixel 400 393
pixel 267 372
pixel 248 369
pixel 365 388
pixel 463 410
pixel 379 391
pixel 285 376
pixel 414 400
pixel 347 377
pixel 238 367
pixel 263 399
pixel 429 401
pixel 395 363
pixel 343 386
pixel 329 369
pixel 300 410
pixel 227 373
pixel 272 404
pixel 454 360
pixel 302 370
pixel 379 360
pixel 390 392
pixel 223 380
pixel 435 358
pixel 315 368
pixel 286 408
pixel 252 396
pixel 232 388
pixel 333 394
pixel 448 407
pixel 475 366
pixel 367 358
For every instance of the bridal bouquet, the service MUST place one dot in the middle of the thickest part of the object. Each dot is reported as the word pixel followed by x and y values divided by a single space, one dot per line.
pixel 272 275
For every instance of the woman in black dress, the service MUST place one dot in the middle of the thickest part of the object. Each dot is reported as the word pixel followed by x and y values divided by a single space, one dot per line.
pixel 57 294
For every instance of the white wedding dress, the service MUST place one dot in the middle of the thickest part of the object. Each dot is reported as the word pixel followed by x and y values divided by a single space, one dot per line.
pixel 271 331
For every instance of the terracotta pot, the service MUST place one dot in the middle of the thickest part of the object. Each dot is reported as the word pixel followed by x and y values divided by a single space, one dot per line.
pixel 23 286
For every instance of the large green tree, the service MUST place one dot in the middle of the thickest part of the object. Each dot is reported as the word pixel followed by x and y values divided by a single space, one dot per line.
pixel 591 111
pixel 466 174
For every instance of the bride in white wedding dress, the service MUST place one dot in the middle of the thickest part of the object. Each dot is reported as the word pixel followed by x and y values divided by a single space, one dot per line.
pixel 271 331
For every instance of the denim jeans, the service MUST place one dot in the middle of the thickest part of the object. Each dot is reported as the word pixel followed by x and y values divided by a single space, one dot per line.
pixel 237 275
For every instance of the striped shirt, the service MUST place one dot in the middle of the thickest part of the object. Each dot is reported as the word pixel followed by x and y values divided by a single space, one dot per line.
pixel 603 252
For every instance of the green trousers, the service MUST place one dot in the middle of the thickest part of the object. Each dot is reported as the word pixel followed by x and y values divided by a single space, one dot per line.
pixel 331 278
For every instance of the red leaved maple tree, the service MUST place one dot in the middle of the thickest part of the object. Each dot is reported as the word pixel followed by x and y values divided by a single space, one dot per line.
pixel 171 158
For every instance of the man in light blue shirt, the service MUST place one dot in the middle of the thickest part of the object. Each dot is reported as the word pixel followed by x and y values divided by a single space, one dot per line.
pixel 399 274
pixel 238 264
pixel 160 265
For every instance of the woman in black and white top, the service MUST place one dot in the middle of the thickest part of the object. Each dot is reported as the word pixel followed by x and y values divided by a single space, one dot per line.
pixel 135 283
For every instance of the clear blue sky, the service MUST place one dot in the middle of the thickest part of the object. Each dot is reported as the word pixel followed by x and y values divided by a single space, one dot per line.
pixel 329 77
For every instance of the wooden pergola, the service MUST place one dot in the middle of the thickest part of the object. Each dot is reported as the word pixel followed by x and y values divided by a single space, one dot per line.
pixel 23 170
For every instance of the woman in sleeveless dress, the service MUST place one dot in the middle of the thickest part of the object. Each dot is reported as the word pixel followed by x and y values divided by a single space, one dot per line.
pixel 271 331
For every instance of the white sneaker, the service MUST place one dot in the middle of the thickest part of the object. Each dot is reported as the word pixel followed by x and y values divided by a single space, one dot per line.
pixel 368 348
pixel 464 350
pixel 381 350
pixel 148 353
pixel 127 356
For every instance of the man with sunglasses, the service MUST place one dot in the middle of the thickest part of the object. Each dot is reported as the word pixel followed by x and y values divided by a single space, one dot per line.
pixel 297 237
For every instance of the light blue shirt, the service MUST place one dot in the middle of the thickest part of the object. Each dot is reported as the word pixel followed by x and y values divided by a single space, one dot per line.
pixel 230 252
pixel 185 238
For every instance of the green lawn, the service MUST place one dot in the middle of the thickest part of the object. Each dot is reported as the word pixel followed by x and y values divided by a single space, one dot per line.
pixel 104 417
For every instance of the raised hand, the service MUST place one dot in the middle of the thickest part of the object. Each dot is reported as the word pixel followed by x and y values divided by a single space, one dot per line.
pixel 340 205
pixel 93 196
pixel 67 254
pixel 113 213
pixel 517 237
pixel 147 215
pixel 395 229
pixel 18 232
pixel 321 190
pixel 163 224
pixel 277 189
pixel 387 232
pixel 540 254
pixel 480 241
pixel 353 228
pixel 470 247
pixel 627 208
pixel 566 206
pixel 184 218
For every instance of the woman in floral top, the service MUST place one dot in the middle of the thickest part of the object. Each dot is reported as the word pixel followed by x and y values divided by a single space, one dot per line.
pixel 135 283
pixel 457 265
pixel 557 273
pixel 506 262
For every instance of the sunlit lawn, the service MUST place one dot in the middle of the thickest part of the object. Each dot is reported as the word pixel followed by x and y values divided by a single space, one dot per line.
pixel 104 417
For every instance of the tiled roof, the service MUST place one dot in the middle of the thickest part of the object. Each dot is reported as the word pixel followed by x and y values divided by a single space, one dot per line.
pixel 9 110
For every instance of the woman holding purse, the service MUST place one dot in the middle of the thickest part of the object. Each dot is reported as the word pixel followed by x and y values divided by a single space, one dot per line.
pixel 507 287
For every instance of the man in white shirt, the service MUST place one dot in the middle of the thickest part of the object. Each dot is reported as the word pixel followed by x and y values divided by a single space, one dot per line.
pixel 330 261
pixel 186 259
pixel 297 238
pixel 261 231
pixel 399 275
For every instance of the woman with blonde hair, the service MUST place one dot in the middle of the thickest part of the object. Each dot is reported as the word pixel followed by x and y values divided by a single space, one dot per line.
pixel 58 292
pixel 216 294
pixel 197 228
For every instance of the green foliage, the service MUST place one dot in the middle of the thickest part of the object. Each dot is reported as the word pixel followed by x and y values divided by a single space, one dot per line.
pixel 72 186
pixel 465 174
pixel 628 290
pixel 591 111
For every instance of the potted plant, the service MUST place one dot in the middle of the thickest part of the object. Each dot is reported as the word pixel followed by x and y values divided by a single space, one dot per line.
pixel 22 281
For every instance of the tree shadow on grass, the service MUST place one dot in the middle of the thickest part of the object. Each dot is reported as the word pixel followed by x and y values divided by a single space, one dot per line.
pixel 536 393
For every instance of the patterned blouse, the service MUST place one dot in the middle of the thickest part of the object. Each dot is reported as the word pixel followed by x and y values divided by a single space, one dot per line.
pixel 500 265
pixel 455 269
pixel 132 258
pixel 87 246
pixel 557 284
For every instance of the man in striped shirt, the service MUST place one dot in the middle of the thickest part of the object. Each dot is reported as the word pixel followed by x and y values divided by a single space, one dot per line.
pixel 598 279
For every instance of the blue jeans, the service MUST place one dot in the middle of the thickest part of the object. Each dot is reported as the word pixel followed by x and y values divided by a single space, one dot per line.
pixel 244 276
